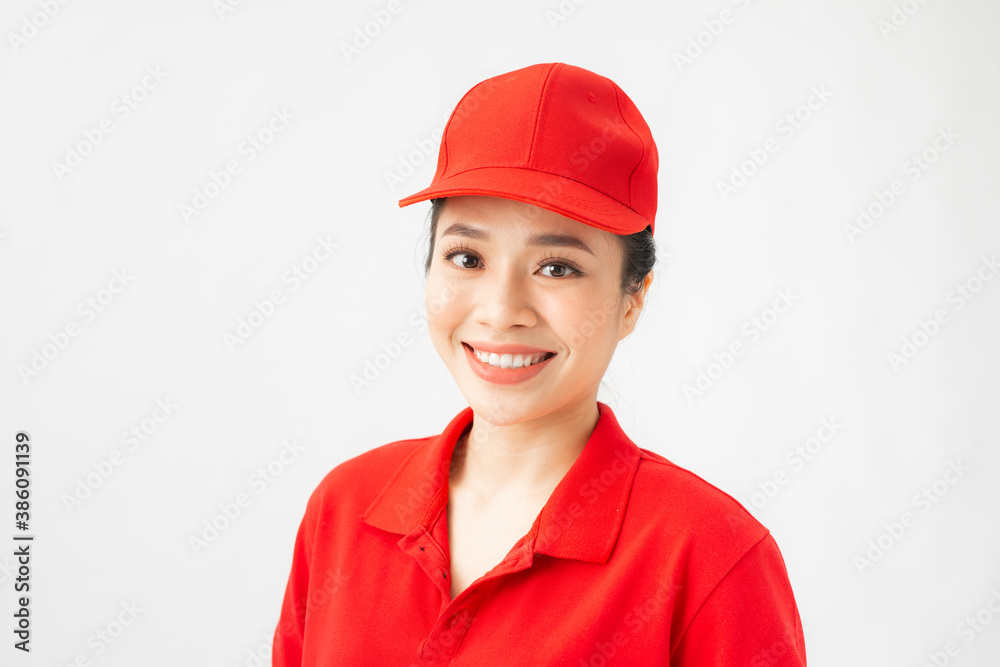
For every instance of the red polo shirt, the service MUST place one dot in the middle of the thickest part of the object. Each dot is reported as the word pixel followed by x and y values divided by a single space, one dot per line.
pixel 632 561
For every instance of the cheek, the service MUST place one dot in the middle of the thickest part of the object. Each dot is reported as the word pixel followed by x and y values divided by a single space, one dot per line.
pixel 587 326
pixel 444 309
pixel 439 297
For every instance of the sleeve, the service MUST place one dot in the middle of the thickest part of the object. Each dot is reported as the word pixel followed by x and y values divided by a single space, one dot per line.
pixel 286 649
pixel 750 618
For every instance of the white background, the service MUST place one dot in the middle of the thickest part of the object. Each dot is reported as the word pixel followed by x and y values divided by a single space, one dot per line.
pixel 722 259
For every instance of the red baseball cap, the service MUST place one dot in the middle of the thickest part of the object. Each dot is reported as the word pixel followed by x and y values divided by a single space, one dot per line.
pixel 556 136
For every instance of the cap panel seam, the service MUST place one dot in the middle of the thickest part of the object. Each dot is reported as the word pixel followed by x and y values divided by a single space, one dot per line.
pixel 618 102
pixel 538 114
pixel 444 134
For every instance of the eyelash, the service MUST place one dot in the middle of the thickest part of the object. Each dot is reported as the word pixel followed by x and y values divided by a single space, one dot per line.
pixel 551 261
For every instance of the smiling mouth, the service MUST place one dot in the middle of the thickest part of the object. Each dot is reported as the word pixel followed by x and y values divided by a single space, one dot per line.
pixel 510 360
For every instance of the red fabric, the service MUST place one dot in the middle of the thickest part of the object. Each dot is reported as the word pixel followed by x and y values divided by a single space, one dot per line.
pixel 633 561
pixel 556 136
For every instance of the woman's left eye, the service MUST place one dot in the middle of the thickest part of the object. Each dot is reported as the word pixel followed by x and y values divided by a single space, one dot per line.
pixel 564 270
pixel 461 263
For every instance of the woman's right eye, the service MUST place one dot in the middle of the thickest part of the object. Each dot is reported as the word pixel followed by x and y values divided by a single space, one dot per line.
pixel 465 259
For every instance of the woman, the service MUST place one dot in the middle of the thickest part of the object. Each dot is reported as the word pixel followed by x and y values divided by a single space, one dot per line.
pixel 532 531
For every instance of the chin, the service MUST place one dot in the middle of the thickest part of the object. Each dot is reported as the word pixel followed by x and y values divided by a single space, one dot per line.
pixel 500 408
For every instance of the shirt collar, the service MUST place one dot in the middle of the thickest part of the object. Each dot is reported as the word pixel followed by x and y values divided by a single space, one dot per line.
pixel 580 520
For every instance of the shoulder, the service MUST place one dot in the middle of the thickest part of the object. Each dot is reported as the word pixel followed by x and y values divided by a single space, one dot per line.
pixel 733 600
pixel 701 537
pixel 691 511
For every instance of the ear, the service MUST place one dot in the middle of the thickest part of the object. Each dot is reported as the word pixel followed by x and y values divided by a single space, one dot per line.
pixel 633 307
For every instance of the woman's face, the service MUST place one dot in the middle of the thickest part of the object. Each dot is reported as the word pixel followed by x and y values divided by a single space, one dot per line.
pixel 500 286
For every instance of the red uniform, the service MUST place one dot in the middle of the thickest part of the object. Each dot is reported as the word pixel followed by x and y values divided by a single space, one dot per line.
pixel 632 561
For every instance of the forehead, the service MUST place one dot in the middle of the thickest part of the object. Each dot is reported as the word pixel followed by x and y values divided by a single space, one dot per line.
pixel 497 219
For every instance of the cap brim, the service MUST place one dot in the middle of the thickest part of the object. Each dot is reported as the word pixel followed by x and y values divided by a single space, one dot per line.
pixel 564 196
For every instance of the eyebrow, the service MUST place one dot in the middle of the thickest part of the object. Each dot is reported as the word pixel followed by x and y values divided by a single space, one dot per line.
pixel 537 239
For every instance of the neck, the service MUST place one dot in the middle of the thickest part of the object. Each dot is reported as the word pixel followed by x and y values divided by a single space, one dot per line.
pixel 523 462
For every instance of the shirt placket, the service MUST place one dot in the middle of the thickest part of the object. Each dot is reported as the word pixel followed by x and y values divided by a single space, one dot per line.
pixel 456 615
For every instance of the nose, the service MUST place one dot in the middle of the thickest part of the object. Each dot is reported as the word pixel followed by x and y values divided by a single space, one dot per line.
pixel 504 299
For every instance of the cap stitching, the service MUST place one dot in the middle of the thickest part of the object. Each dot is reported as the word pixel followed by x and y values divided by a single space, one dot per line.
pixel 444 134
pixel 637 135
pixel 576 215
pixel 538 114
pixel 542 171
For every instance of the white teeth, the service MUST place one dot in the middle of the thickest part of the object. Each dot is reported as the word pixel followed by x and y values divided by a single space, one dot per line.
pixel 509 360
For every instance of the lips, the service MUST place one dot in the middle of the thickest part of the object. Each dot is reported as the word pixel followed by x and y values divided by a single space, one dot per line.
pixel 508 375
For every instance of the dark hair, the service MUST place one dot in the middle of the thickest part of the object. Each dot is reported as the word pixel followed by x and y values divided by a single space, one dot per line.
pixel 638 252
